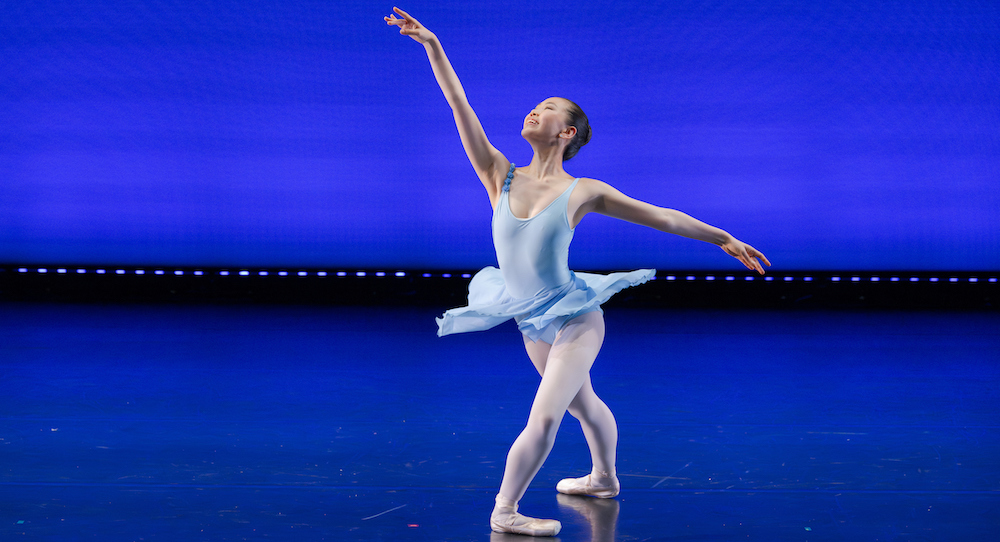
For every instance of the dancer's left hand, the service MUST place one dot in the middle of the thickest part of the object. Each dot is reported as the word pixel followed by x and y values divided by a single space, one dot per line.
pixel 408 26
pixel 746 254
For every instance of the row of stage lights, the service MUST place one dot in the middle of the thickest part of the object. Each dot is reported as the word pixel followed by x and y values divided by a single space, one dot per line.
pixel 403 274
pixel 240 273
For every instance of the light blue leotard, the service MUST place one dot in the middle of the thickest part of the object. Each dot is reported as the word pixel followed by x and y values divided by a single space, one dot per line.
pixel 534 284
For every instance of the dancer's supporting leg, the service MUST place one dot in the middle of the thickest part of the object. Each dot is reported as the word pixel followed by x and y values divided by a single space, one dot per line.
pixel 566 369
pixel 599 428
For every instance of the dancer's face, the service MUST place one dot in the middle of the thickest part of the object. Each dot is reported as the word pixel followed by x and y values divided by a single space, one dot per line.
pixel 548 121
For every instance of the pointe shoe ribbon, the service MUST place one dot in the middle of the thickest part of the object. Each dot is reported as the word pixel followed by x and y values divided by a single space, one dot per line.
pixel 585 486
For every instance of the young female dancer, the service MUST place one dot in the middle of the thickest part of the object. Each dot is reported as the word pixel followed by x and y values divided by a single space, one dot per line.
pixel 535 209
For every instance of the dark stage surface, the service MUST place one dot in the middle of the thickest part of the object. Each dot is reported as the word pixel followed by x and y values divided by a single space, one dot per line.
pixel 285 423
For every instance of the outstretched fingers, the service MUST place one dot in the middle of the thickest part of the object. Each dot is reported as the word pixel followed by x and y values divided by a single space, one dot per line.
pixel 759 254
pixel 407 19
pixel 747 255
pixel 406 16
pixel 408 26
pixel 750 259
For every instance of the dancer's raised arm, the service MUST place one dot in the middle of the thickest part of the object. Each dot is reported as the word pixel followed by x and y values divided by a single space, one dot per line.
pixel 490 165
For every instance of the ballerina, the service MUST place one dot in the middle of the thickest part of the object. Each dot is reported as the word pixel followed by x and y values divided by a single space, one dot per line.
pixel 558 312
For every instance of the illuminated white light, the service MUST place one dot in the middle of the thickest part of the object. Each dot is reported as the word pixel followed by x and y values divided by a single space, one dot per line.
pixel 22 269
pixel 224 273
pixel 60 270
pixel 709 278
pixel 380 273
pixel 359 273
pixel 875 279
pixel 140 271
pixel 426 275
pixel 198 273
pixel 303 274
pixel 466 276
pixel 282 273
pixel 671 277
pixel 324 273
pixel 690 277
pixel 42 270
pixel 993 279
pixel 178 272
pixel 768 278
pixel 158 272
pixel 953 279
pixel 100 271
pixel 835 279
pixel 262 273
pixel 914 279
pixel 340 274
pixel 788 279
pixel 973 279
pixel 730 277
pixel 400 274
pixel 122 272
pixel 855 279
pixel 81 271
pixel 748 278
pixel 807 279
pixel 893 279
pixel 933 279
pixel 244 273
pixel 446 275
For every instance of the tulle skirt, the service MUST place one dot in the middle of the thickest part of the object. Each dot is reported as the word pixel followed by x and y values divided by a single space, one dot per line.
pixel 539 317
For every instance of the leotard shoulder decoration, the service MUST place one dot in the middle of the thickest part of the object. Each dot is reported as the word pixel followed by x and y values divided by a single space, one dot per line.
pixel 510 176
pixel 534 284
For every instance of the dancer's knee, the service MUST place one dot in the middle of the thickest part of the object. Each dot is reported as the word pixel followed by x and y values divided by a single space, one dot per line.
pixel 544 425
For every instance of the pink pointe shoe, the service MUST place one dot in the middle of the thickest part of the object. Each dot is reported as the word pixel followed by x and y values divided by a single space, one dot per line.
pixel 505 519
pixel 587 486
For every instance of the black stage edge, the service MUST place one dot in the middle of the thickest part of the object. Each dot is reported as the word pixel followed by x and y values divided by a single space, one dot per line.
pixel 923 290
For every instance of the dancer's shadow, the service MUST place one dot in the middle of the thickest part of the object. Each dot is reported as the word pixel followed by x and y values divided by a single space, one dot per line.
pixel 601 514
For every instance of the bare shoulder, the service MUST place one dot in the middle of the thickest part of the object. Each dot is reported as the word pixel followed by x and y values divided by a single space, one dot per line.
pixel 589 197
pixel 592 191
pixel 592 187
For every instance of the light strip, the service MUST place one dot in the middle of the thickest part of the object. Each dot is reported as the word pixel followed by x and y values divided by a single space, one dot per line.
pixel 930 277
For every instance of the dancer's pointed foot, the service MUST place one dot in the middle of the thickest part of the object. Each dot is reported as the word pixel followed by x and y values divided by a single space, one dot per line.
pixel 603 487
pixel 505 519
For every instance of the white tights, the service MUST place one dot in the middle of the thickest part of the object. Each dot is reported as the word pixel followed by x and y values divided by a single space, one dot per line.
pixel 565 369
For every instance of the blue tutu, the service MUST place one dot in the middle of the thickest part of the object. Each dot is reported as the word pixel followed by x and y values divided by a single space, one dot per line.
pixel 539 317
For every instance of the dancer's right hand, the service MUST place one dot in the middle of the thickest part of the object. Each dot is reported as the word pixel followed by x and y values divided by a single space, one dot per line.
pixel 408 26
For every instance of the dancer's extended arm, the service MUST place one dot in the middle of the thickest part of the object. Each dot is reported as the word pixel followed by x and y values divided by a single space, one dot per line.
pixel 604 199
pixel 490 165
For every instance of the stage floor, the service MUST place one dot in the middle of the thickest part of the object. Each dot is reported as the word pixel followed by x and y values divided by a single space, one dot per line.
pixel 292 423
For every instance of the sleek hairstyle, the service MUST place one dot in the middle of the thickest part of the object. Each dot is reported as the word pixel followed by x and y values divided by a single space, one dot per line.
pixel 578 120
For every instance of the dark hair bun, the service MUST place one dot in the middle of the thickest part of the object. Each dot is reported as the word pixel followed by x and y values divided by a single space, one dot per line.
pixel 578 120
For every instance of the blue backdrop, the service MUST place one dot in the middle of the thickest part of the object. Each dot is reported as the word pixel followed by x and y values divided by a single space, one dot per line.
pixel 831 135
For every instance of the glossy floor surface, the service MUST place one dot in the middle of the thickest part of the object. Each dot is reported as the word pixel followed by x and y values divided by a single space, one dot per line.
pixel 126 423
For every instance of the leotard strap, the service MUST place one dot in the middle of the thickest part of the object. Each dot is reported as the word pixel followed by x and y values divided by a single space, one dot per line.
pixel 510 175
